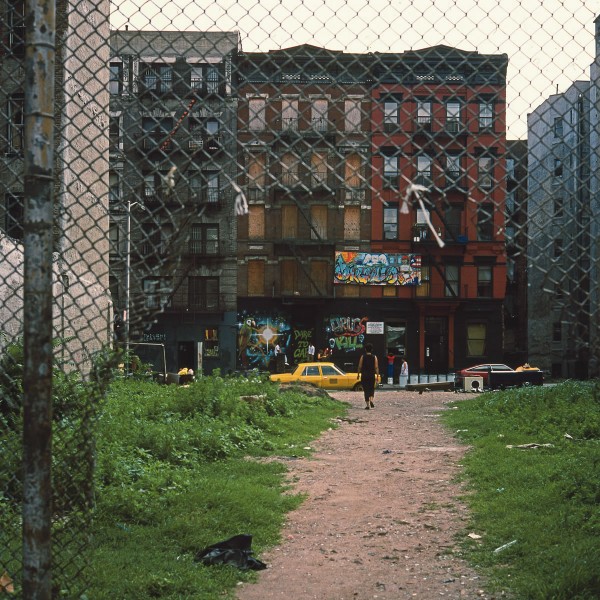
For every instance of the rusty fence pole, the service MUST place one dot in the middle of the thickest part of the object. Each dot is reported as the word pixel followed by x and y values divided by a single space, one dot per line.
pixel 40 17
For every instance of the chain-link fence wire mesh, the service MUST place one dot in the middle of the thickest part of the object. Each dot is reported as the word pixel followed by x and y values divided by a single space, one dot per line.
pixel 207 163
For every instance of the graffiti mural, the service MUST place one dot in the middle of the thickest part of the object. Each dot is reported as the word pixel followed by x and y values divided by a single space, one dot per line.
pixel 378 268
pixel 257 338
pixel 345 334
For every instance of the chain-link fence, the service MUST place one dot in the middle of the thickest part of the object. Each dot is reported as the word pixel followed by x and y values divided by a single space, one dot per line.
pixel 192 185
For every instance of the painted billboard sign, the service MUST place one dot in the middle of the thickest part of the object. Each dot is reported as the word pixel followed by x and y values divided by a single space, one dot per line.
pixel 377 268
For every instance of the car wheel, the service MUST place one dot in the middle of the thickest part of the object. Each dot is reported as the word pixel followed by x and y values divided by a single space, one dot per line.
pixel 357 387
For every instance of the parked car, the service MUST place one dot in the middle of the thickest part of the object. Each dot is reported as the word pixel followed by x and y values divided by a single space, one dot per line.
pixel 498 375
pixel 325 375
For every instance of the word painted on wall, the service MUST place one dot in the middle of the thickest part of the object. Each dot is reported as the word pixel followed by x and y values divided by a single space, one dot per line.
pixel 302 339
pixel 377 268
pixel 345 334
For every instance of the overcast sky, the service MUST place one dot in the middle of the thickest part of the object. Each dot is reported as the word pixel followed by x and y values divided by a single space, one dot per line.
pixel 550 43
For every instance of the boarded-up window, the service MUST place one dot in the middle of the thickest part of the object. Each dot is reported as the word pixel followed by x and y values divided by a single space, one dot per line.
pixel 256 277
pixel 348 291
pixel 319 272
pixel 257 170
pixel 476 339
pixel 289 169
pixel 289 221
pixel 256 221
pixel 318 219
pixel 257 119
pixel 352 115
pixel 352 223
pixel 288 276
pixel 318 165
pixel 353 175
pixel 289 113
pixel 389 290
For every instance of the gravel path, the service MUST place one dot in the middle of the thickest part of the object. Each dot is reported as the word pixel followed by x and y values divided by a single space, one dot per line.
pixel 382 516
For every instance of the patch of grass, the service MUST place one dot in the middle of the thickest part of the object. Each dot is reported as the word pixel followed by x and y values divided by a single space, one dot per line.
pixel 546 501
pixel 176 474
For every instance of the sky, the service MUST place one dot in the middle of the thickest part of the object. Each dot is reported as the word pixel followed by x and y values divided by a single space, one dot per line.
pixel 550 43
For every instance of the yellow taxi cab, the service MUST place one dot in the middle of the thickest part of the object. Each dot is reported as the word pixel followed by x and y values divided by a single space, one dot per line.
pixel 325 375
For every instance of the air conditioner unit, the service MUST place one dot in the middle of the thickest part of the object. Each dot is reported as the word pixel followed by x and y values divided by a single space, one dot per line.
pixel 473 384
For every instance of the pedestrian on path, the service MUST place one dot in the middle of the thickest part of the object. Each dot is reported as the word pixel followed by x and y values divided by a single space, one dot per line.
pixel 368 370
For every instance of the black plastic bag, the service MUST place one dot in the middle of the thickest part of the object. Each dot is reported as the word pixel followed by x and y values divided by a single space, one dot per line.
pixel 235 552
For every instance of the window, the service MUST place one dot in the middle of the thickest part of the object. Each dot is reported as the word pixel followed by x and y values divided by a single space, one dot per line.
pixel 203 293
pixel 485 222
pixel 453 116
pixel 486 114
pixel 114 187
pixel 114 134
pixel 509 205
pixel 15 123
pixel 196 77
pixel 318 221
pixel 157 291
pixel 484 281
pixel 352 223
pixel 155 238
pixel 352 115
pixel 354 176
pixel 289 221
pixel 318 168
pixel 390 222
pixel 16 26
pixel 204 239
pixel 452 284
pixel 557 331
pixel 558 127
pixel 114 238
pixel 257 119
pixel 156 132
pixel 510 168
pixel 476 334
pixel 256 277
pixel 115 82
pixel 213 187
pixel 453 170
pixel 157 77
pixel 213 79
pixel 453 217
pixel 289 170
pixel 288 276
pixel 424 113
pixel 14 215
pixel 485 172
pixel 319 114
pixel 390 171
pixel 423 289
pixel 211 343
pixel 558 208
pixel 256 222
pixel 391 110
pixel 289 114
pixel 424 163
pixel 319 273
pixel 212 127
pixel 558 169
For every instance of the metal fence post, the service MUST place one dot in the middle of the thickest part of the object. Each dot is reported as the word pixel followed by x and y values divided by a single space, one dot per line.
pixel 37 316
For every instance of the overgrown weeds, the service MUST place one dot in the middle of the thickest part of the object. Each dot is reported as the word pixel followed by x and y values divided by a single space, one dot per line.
pixel 536 507
pixel 175 474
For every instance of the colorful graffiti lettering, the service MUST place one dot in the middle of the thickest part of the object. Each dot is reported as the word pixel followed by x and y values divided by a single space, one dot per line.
pixel 364 268
pixel 347 334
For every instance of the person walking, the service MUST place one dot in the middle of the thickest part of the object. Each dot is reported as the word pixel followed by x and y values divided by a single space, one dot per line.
pixel 311 352
pixel 403 373
pixel 368 371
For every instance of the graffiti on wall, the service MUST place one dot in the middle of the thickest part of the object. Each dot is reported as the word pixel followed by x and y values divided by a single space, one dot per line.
pixel 257 338
pixel 377 268
pixel 346 334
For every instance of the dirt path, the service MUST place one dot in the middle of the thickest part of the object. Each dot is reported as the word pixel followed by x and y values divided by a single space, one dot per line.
pixel 382 512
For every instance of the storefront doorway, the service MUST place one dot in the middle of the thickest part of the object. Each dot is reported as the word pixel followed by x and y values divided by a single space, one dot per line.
pixel 436 344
